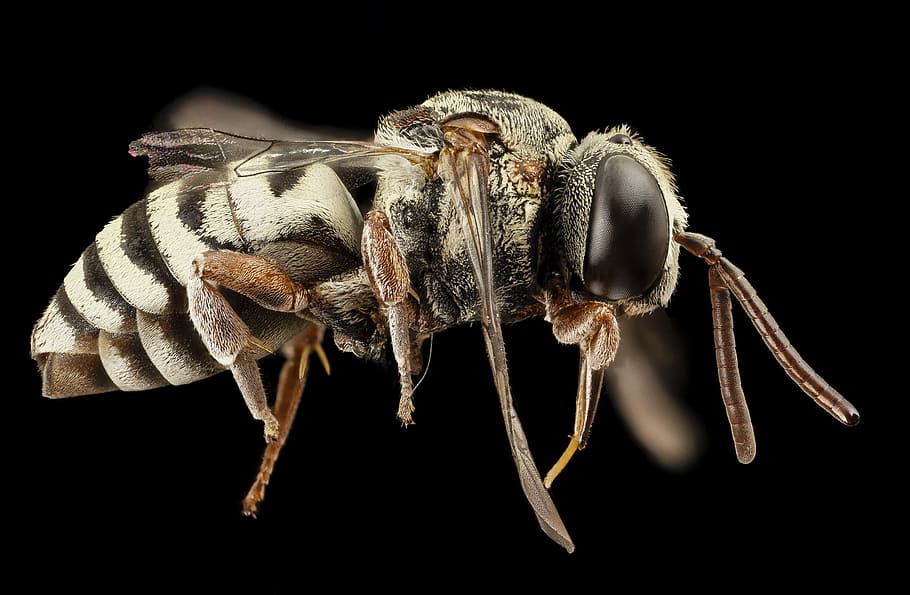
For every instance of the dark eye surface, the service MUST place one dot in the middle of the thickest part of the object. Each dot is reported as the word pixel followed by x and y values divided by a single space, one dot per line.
pixel 628 230
pixel 620 139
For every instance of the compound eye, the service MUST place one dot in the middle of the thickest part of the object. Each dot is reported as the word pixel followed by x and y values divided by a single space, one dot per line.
pixel 620 139
pixel 628 230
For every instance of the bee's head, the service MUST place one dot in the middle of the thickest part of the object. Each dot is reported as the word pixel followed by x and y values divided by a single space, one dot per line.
pixel 616 216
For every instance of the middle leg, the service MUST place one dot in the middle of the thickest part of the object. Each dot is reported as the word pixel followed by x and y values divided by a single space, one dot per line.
pixel 388 272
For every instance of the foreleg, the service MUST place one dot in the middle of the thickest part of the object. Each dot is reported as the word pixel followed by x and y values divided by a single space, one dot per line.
pixel 591 325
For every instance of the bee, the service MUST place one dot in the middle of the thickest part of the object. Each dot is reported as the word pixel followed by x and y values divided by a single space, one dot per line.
pixel 482 206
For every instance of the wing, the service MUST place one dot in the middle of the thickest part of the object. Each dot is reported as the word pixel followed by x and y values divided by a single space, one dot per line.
pixel 643 381
pixel 189 151
pixel 464 165
pixel 207 107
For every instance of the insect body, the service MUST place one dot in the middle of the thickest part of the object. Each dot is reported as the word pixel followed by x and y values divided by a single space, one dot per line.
pixel 487 208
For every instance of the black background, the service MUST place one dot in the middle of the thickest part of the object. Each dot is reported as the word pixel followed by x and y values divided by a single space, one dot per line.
pixel 764 130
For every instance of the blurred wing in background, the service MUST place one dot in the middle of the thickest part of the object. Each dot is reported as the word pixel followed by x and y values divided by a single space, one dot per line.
pixel 207 107
pixel 644 381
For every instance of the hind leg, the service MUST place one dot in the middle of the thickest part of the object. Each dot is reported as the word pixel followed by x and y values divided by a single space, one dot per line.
pixel 225 335
pixel 290 388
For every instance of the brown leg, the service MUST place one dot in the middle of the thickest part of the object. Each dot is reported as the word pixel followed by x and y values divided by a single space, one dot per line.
pixel 224 334
pixel 290 388
pixel 388 273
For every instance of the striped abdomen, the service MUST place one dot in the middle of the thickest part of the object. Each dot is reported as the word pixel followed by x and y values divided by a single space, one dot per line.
pixel 120 321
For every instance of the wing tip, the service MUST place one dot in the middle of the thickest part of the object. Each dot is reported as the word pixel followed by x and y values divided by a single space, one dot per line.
pixel 562 539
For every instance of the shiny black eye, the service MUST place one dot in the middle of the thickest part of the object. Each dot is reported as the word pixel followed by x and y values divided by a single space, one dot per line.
pixel 628 230
pixel 620 139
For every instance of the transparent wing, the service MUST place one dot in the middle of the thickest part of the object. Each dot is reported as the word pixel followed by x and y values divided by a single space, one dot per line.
pixel 643 382
pixel 245 126
pixel 282 156
pixel 466 170
pixel 191 151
